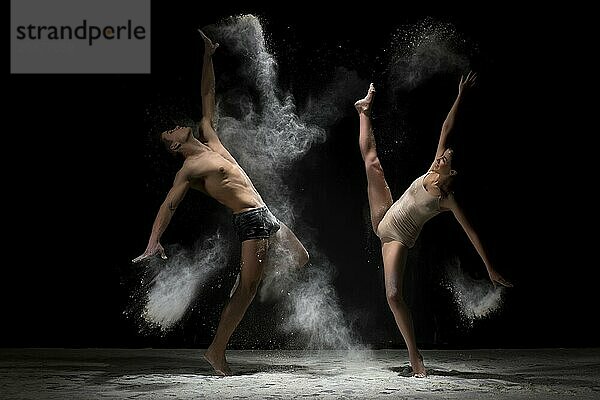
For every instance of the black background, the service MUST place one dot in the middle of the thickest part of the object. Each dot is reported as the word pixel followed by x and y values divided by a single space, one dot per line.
pixel 84 181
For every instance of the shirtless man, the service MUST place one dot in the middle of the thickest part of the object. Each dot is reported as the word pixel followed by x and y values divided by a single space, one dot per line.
pixel 210 168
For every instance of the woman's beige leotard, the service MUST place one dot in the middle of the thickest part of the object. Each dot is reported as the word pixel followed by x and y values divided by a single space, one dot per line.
pixel 404 220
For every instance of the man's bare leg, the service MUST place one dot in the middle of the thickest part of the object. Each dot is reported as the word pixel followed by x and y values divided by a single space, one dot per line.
pixel 287 241
pixel 394 263
pixel 380 197
pixel 254 258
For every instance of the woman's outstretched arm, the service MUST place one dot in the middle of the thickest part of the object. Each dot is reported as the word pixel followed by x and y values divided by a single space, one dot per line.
pixel 460 216
pixel 448 127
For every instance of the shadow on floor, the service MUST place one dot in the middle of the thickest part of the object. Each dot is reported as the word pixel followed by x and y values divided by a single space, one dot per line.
pixel 531 377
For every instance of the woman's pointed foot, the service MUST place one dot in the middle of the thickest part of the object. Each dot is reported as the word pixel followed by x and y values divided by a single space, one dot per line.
pixel 364 105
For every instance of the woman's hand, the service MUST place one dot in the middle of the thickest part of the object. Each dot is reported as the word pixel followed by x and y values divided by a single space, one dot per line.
pixel 467 82
pixel 496 278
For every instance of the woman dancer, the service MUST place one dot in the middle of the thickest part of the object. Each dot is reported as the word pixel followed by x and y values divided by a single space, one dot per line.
pixel 399 223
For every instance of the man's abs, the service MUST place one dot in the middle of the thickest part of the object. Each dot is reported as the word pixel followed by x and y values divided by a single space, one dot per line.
pixel 230 186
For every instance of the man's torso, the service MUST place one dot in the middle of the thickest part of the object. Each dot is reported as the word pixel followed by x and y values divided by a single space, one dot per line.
pixel 223 180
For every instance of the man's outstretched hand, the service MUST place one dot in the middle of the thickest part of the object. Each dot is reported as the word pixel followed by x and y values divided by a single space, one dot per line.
pixel 150 252
pixel 210 47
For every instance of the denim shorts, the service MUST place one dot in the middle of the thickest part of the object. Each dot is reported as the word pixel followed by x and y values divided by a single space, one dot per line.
pixel 257 223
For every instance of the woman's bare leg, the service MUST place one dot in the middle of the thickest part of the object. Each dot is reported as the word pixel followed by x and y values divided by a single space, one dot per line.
pixel 380 197
pixel 254 258
pixel 394 262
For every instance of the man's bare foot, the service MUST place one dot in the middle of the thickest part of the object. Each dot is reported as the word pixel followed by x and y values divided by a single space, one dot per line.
pixel 364 105
pixel 418 366
pixel 210 46
pixel 218 362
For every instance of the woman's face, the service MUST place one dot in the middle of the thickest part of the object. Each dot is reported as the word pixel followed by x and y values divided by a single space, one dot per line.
pixel 444 162
pixel 443 168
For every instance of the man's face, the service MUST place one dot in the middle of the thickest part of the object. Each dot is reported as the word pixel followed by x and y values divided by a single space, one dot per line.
pixel 175 137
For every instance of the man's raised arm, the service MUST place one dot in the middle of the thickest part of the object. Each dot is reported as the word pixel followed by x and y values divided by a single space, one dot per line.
pixel 208 89
pixel 208 100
